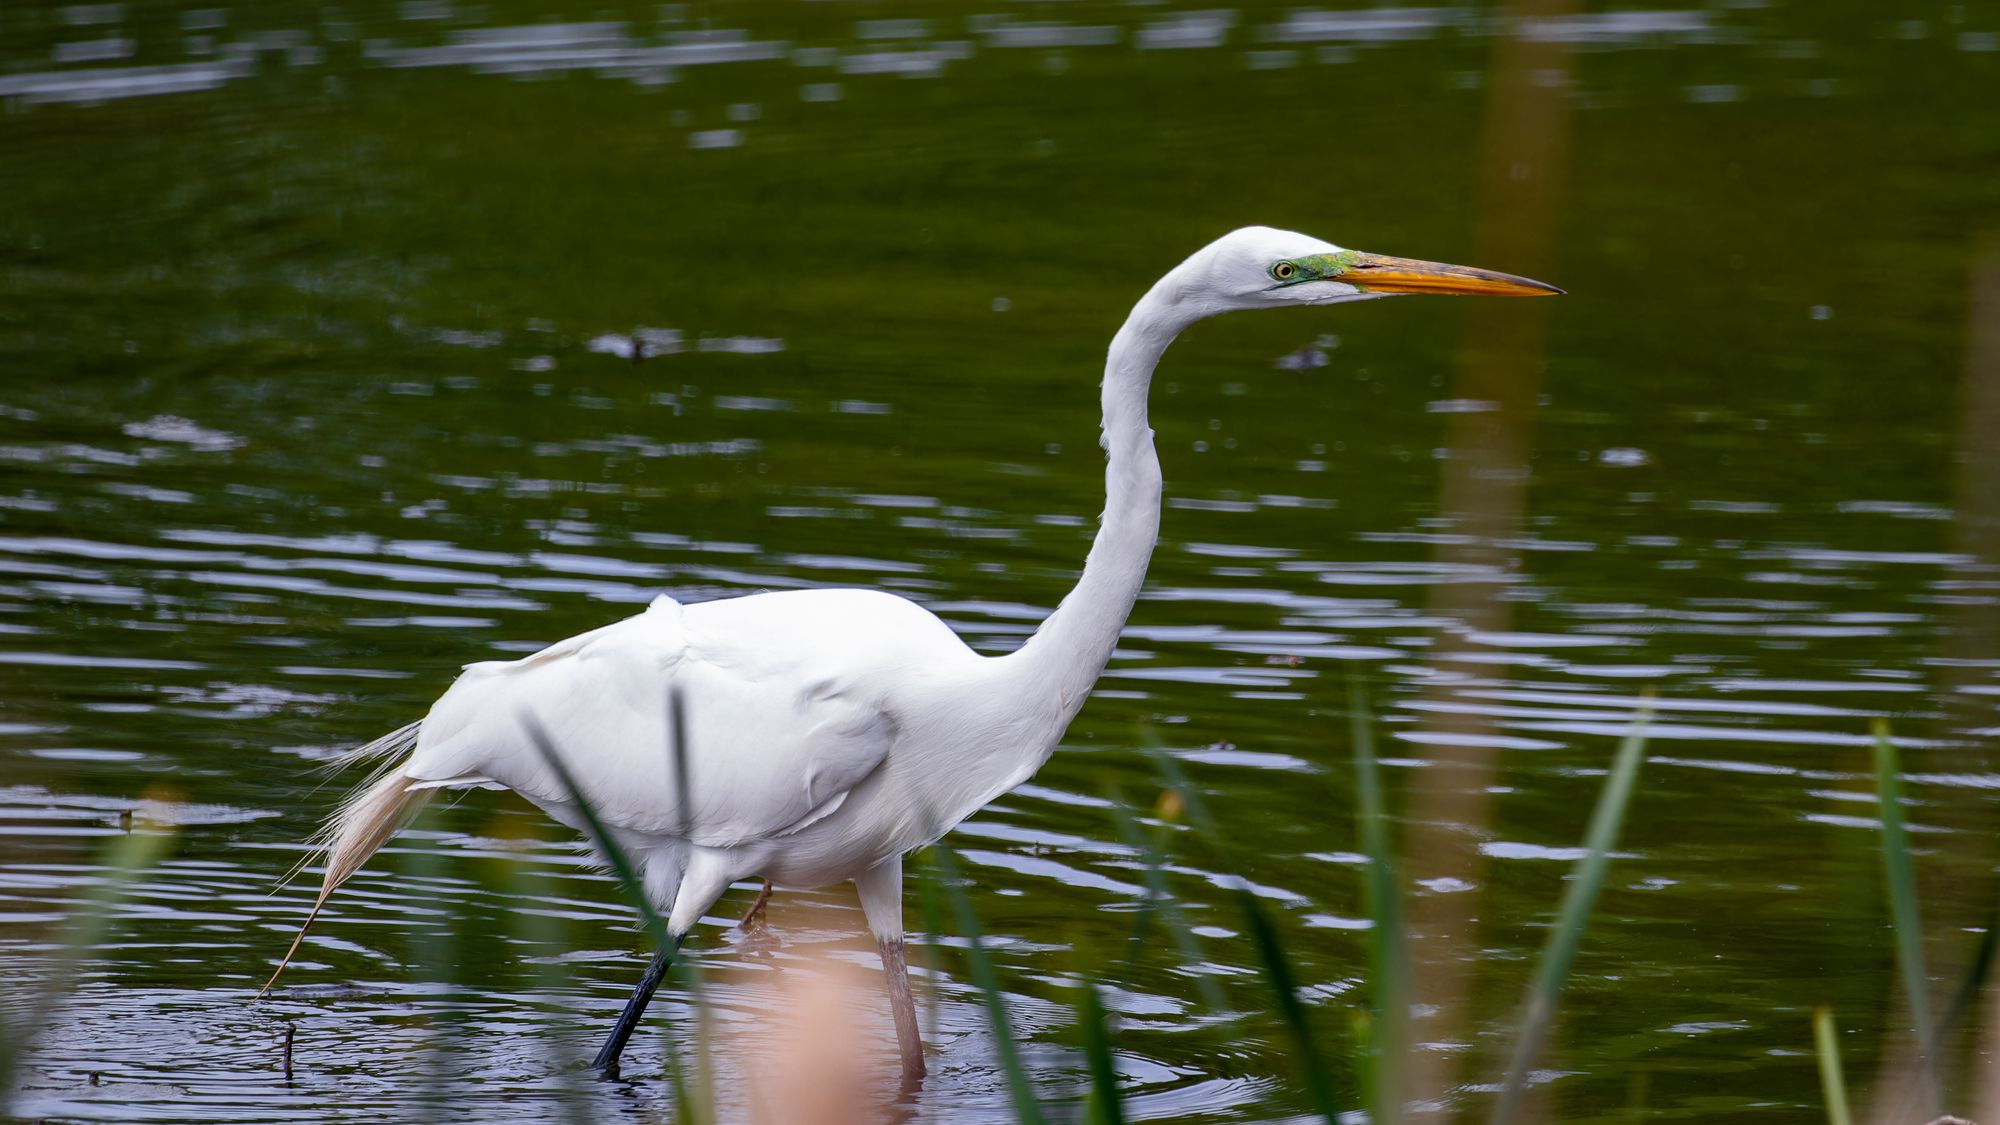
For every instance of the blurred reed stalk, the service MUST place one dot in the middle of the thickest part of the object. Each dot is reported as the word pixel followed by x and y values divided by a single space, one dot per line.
pixel 125 861
pixel 1900 875
pixel 1832 1083
pixel 539 928
pixel 1482 491
pixel 439 938
pixel 1106 1105
pixel 1961 884
pixel 1972 639
pixel 1387 1032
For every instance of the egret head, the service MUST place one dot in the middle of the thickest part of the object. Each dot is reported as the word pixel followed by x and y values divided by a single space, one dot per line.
pixel 1260 267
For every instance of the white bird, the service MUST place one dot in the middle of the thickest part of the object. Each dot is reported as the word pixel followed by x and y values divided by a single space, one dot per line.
pixel 824 734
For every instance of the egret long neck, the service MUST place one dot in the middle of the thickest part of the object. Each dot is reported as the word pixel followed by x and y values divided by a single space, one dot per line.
pixel 1071 647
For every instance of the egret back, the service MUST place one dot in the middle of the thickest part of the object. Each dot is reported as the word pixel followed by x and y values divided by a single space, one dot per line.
pixel 718 724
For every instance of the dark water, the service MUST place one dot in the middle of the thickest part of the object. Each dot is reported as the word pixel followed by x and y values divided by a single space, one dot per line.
pixel 315 383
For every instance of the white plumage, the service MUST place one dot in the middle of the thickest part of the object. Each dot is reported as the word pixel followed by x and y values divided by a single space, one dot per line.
pixel 791 705
pixel 816 736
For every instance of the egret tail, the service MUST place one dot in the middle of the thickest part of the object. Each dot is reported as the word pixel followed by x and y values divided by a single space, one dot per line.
pixel 374 812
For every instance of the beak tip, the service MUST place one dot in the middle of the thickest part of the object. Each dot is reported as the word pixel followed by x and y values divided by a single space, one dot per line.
pixel 1529 287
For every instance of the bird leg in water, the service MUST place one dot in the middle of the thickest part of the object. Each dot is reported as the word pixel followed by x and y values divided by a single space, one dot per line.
pixel 753 921
pixel 909 1041
pixel 606 1062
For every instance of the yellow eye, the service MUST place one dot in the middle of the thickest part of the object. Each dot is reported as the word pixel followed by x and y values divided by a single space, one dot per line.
pixel 1283 271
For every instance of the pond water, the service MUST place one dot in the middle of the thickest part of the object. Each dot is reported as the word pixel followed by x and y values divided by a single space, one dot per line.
pixel 341 347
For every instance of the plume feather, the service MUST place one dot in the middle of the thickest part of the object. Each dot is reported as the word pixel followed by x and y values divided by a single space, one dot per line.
pixel 366 820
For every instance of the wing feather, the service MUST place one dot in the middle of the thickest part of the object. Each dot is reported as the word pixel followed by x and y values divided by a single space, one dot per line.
pixel 782 719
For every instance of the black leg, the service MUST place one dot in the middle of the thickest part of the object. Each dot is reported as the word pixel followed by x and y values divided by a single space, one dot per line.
pixel 909 1041
pixel 606 1062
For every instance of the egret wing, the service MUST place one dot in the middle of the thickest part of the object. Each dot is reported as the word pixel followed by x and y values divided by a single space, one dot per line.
pixel 769 736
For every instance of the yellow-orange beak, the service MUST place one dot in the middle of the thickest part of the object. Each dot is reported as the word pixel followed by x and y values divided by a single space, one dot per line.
pixel 1379 273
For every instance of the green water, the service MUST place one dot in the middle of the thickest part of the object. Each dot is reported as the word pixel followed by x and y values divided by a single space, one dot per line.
pixel 314 386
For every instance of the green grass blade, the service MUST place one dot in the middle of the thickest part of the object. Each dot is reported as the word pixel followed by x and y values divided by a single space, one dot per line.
pixel 1270 950
pixel 696 1098
pixel 1106 1106
pixel 600 836
pixel 1160 901
pixel 1027 1109
pixel 1578 899
pixel 1831 1083
pixel 1388 957
pixel 1901 877
pixel 1973 986
pixel 1361 1038
pixel 628 880
pixel 1278 974
pixel 441 961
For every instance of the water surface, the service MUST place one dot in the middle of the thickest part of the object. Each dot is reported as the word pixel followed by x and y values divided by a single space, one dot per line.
pixel 339 348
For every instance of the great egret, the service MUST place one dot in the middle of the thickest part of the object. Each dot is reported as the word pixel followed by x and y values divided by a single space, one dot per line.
pixel 824 734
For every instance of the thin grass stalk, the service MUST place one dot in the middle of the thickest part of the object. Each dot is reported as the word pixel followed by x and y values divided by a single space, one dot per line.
pixel 686 1108
pixel 1160 900
pixel 1900 874
pixel 1832 1084
pixel 1976 974
pixel 1388 957
pixel 440 962
pixel 600 836
pixel 1270 949
pixel 933 957
pixel 1027 1110
pixel 1278 974
pixel 628 880
pixel 1559 950
pixel 703 1107
pixel 125 859
pixel 1361 1038
pixel 1135 838
pixel 1106 1106
pixel 538 929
